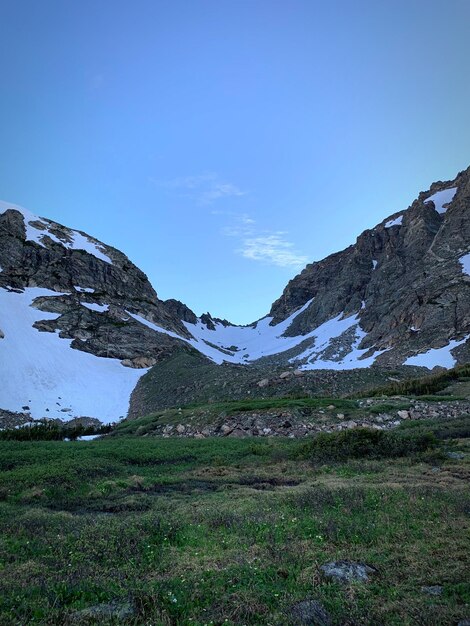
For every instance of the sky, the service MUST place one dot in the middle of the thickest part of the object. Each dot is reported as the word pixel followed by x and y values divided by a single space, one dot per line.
pixel 222 145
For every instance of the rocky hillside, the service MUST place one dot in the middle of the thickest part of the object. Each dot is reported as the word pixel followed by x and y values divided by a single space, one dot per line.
pixel 80 324
pixel 66 299
pixel 407 280
pixel 399 296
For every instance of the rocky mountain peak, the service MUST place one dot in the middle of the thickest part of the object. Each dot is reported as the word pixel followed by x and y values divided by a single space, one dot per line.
pixel 403 274
pixel 80 321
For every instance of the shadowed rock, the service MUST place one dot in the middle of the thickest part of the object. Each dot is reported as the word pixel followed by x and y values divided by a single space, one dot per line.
pixel 347 571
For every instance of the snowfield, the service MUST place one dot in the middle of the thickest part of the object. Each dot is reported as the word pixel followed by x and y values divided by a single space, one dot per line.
pixel 41 371
pixel 440 198
pixel 437 356
pixel 244 344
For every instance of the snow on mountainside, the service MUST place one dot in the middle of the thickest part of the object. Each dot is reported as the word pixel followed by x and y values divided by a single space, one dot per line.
pixel 37 228
pixel 405 279
pixel 80 324
pixel 67 346
pixel 41 374
pixel 245 344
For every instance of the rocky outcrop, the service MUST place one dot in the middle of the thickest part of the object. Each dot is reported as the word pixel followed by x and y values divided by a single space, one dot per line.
pixel 298 424
pixel 403 278
pixel 103 301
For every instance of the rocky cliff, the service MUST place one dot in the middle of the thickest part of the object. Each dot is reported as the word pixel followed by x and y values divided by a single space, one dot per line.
pixel 80 324
pixel 66 299
pixel 407 280
pixel 102 294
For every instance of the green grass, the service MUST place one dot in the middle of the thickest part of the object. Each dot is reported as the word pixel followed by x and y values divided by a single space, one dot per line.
pixel 255 404
pixel 204 414
pixel 422 386
pixel 227 531
pixel 361 443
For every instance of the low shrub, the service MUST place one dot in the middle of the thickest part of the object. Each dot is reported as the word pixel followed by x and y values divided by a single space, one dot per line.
pixel 51 431
pixel 456 428
pixel 424 385
pixel 365 443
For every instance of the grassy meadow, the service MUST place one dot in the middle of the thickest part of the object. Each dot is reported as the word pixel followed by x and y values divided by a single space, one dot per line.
pixel 129 530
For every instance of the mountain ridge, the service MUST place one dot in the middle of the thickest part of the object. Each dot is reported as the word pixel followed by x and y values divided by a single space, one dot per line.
pixel 399 295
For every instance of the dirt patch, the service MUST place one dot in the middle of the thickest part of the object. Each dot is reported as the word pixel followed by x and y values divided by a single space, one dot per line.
pixel 265 483
pixel 186 487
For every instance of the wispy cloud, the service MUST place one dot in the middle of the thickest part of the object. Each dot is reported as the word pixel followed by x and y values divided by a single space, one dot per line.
pixel 204 188
pixel 272 249
pixel 263 245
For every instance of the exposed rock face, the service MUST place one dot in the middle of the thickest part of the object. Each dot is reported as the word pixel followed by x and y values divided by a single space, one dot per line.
pixel 66 298
pixel 401 290
pixel 347 571
pixel 403 278
pixel 99 295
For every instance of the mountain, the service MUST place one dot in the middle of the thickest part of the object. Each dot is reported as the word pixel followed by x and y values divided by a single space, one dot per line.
pixel 67 299
pixel 80 324
pixel 407 280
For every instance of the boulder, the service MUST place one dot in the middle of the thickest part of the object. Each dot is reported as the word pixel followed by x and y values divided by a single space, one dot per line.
pixel 309 613
pixel 347 571
pixel 432 590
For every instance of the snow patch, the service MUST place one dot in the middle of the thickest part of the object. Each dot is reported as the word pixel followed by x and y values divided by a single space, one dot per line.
pixel 79 241
pixel 374 264
pixel 83 289
pixel 465 263
pixel 101 308
pixel 437 356
pixel 324 335
pixel 442 197
pixel 157 329
pixel 250 342
pixel 396 222
pixel 41 370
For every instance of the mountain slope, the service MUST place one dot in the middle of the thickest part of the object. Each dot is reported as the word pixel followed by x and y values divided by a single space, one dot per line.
pixel 80 324
pixel 399 295
pixel 67 299
pixel 407 280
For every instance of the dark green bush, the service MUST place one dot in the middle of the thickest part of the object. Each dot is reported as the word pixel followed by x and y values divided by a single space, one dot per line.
pixel 51 431
pixel 365 443
pixel 420 386
pixel 456 428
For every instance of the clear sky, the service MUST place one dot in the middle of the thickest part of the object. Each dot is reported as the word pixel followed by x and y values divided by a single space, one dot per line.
pixel 222 144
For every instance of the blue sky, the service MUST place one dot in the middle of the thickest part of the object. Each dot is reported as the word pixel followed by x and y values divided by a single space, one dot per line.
pixel 222 145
